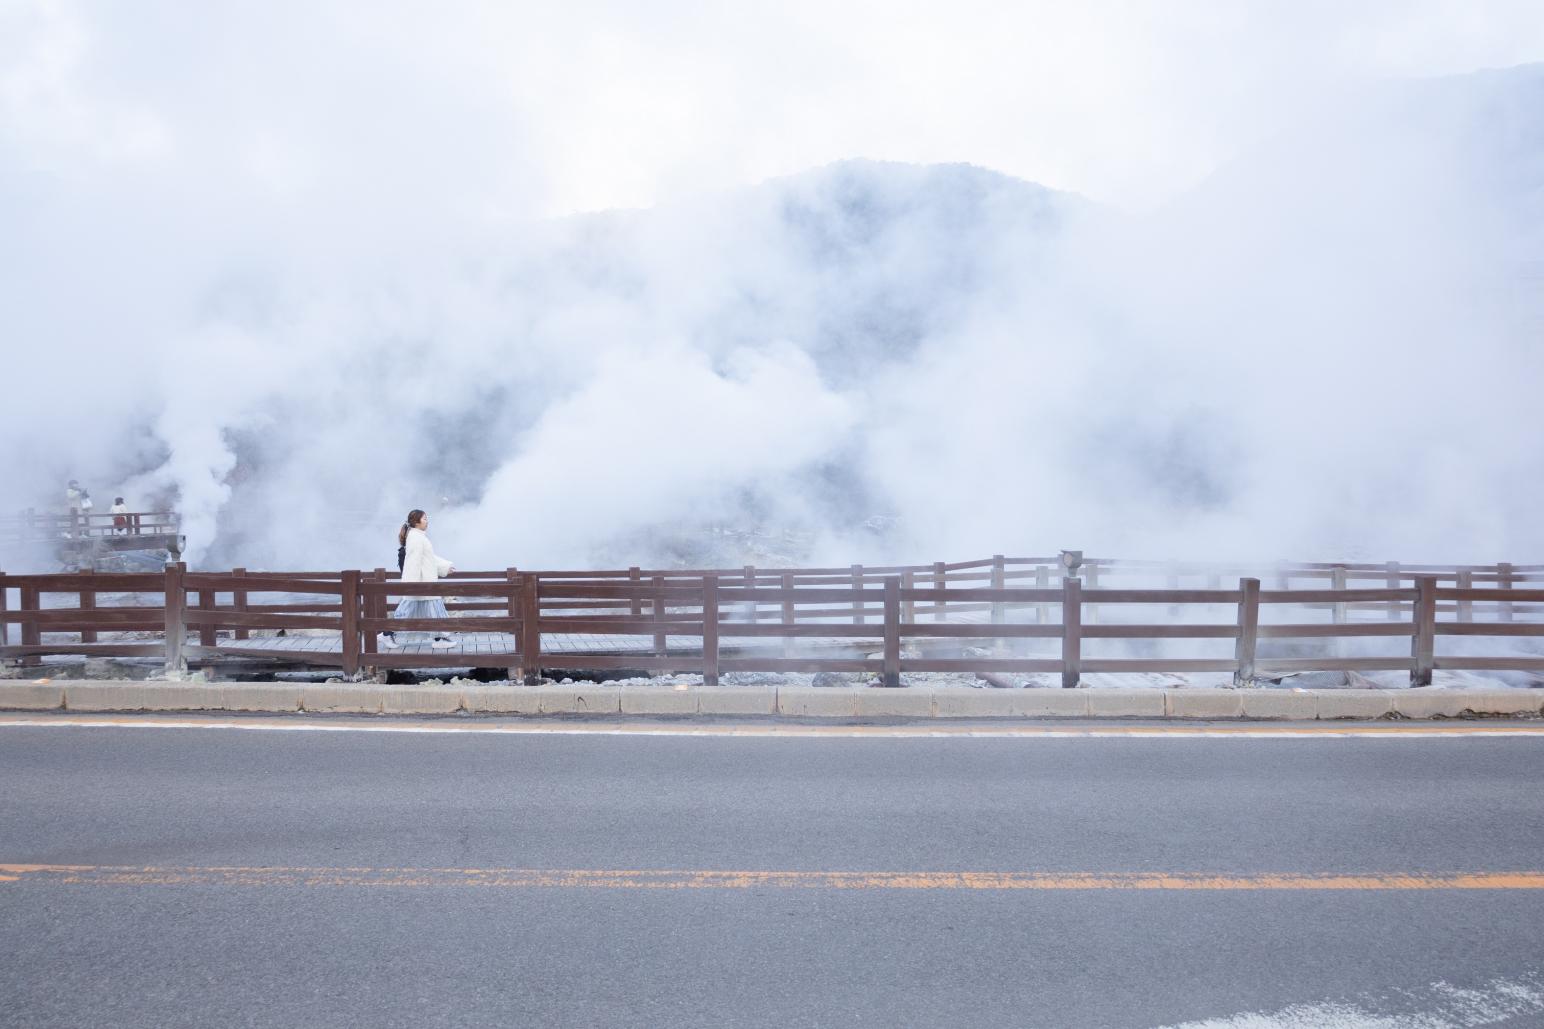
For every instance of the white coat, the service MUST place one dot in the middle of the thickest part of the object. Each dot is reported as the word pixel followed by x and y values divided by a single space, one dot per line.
pixel 420 563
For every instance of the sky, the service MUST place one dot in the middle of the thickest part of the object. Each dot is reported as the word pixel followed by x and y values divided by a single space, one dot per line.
pixel 297 266
pixel 489 111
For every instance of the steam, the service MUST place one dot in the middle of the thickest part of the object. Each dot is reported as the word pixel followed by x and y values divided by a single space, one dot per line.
pixel 1321 349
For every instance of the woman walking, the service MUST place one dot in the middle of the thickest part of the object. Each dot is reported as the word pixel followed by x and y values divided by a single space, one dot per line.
pixel 421 564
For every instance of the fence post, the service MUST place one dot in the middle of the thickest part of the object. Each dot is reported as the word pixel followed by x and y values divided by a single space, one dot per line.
pixel 373 605
pixel 892 662
pixel 1072 631
pixel 790 615
pixel 512 612
pixel 1248 631
pixel 88 603
pixel 1423 643
pixel 939 583
pixel 657 609
pixel 1466 607
pixel 176 609
pixel 207 601
pixel 1504 581
pixel 857 602
pixel 31 635
pixel 5 609
pixel 530 630
pixel 1394 581
pixel 350 628
pixel 999 581
pixel 239 602
pixel 710 630
pixel 1090 578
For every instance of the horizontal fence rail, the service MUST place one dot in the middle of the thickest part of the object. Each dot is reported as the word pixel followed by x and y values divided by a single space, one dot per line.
pixel 1058 616
pixel 45 527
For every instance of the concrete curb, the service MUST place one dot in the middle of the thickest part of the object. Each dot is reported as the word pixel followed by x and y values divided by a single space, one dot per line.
pixel 844 703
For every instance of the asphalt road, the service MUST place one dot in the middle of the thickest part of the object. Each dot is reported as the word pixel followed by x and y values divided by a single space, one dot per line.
pixel 368 893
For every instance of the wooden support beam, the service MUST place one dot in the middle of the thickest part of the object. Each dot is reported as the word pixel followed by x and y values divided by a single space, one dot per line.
pixel 5 609
pixel 88 603
pixel 530 629
pixel 710 630
pixel 1504 580
pixel 1072 631
pixel 1338 582
pixel 239 602
pixel 176 606
pixel 658 610
pixel 891 673
pixel 789 613
pixel 1423 643
pixel 940 607
pixel 350 628
pixel 999 581
pixel 208 600
pixel 31 635
pixel 374 607
pixel 1248 632
pixel 1090 570
pixel 512 611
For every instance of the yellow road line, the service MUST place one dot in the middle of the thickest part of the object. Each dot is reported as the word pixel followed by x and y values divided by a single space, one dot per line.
pixel 516 878
pixel 934 730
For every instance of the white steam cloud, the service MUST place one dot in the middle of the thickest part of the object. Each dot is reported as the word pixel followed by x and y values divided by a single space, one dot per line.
pixel 296 314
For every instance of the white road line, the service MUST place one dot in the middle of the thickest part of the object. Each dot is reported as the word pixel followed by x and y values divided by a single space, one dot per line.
pixel 784 731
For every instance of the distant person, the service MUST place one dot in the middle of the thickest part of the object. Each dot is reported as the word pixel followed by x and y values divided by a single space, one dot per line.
pixel 120 513
pixel 420 564
pixel 84 511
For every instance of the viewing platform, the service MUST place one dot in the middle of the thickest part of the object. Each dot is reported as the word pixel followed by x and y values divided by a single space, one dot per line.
pixel 82 541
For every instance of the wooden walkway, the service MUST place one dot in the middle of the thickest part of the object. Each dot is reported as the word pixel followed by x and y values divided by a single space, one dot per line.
pixel 554 646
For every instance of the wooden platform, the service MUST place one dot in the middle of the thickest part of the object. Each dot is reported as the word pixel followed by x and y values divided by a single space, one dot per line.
pixel 469 646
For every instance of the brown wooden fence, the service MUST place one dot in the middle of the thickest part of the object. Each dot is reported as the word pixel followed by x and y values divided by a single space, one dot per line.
pixel 45 527
pixel 967 617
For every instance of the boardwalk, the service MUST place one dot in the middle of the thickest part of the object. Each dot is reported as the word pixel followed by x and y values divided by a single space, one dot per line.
pixel 469 646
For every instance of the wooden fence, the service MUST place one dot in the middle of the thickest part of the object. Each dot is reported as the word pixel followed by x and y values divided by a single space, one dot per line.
pixel 32 526
pixel 967 617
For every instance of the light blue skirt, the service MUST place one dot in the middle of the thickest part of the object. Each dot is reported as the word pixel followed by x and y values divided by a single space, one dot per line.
pixel 420 607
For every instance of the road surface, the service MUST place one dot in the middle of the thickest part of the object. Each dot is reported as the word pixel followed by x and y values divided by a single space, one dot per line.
pixel 165 877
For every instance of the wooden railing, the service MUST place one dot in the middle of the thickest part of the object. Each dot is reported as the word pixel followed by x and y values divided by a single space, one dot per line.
pixel 47 527
pixel 885 621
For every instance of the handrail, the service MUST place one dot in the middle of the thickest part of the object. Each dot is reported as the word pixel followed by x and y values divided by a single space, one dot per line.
pixel 891 611
pixel 52 526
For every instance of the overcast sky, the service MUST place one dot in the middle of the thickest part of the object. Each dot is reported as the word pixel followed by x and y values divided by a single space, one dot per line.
pixel 492 111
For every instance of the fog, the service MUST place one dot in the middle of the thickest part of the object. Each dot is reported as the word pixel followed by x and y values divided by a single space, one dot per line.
pixel 294 303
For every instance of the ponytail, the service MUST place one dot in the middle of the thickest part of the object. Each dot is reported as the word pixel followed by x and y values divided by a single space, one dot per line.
pixel 413 518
